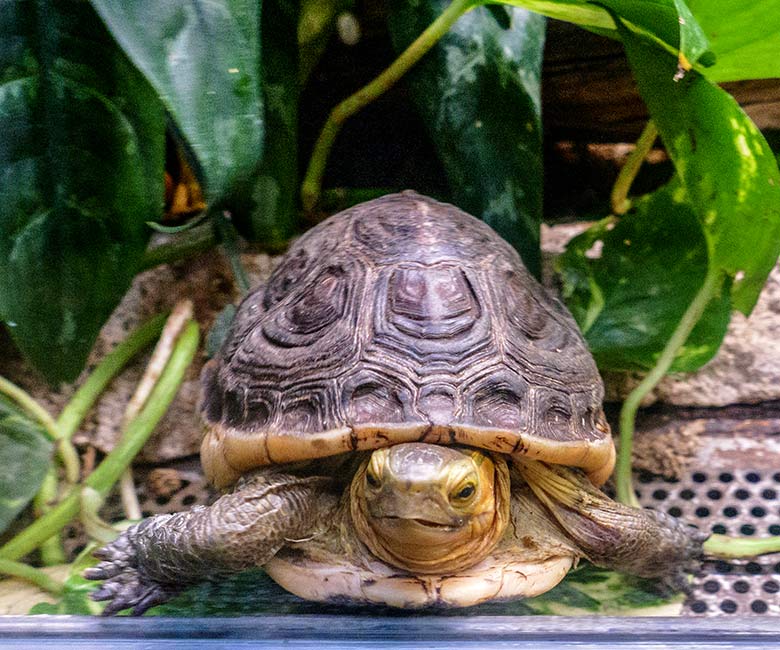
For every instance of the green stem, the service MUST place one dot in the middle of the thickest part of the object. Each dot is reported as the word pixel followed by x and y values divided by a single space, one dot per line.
pixel 624 487
pixel 186 244
pixel 230 244
pixel 52 552
pixel 36 576
pixel 77 408
pixel 312 182
pixel 739 547
pixel 628 173
pixel 66 451
pixel 109 471
pixel 32 407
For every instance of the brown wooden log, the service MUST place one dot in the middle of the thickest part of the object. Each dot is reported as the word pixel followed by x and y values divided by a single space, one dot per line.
pixel 589 95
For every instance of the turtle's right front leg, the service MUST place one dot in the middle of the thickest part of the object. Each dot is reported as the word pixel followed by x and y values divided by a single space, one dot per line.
pixel 156 559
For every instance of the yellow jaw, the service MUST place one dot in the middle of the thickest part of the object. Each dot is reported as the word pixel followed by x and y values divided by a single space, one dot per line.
pixel 430 509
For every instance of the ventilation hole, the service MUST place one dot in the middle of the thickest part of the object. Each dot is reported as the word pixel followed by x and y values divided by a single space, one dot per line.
pixel 758 511
pixel 774 529
pixel 71 534
pixel 759 606
pixel 776 477
pixel 712 586
pixel 747 529
pixel 162 500
pixel 728 606
pixel 719 529
pixel 687 494
pixel 189 500
pixel 769 494
pixel 698 607
pixel 726 477
pixel 721 566
pixel 675 511
pixel 754 568
pixel 714 494
pixel 703 511
pixel 752 477
pixel 184 484
pixel 730 512
pixel 660 495
pixel 146 513
pixel 645 477
pixel 777 568
pixel 742 494
pixel 637 494
pixel 741 586
pixel 701 477
pixel 771 587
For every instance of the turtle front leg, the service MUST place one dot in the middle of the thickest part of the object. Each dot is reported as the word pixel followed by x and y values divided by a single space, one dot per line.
pixel 637 541
pixel 154 560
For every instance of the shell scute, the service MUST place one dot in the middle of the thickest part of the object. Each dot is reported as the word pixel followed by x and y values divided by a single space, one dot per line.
pixel 403 319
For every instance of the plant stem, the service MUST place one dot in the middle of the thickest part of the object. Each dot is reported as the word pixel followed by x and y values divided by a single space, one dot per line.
pixel 186 244
pixel 109 471
pixel 628 173
pixel 710 287
pixel 739 547
pixel 36 576
pixel 52 552
pixel 77 408
pixel 312 182
pixel 32 407
pixel 66 452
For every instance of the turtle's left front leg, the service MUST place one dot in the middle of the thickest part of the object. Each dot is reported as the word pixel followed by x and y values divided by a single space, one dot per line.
pixel 156 559
pixel 637 541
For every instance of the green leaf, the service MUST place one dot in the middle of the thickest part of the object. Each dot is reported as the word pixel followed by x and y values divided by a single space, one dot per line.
pixel 727 170
pixel 25 457
pixel 82 170
pixel 203 59
pixel 666 22
pixel 744 36
pixel 268 210
pixel 629 299
pixel 478 91
pixel 75 598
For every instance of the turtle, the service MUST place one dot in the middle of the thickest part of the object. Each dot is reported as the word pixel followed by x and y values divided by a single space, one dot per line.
pixel 401 415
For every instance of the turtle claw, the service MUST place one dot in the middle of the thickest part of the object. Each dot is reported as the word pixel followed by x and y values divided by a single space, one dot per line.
pixel 125 584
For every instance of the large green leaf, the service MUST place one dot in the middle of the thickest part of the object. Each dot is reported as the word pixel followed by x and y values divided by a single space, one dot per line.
pixel 268 209
pixel 25 457
pixel 81 170
pixel 744 36
pixel 669 23
pixel 203 59
pixel 629 282
pixel 478 92
pixel 727 170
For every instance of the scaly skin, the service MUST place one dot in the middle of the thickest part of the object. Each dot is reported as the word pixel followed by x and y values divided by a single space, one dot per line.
pixel 637 541
pixel 153 561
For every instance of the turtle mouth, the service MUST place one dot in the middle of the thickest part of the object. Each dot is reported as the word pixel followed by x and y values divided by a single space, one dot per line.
pixel 427 523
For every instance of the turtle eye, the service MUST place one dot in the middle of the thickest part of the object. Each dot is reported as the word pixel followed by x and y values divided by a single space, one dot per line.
pixel 465 492
pixel 371 478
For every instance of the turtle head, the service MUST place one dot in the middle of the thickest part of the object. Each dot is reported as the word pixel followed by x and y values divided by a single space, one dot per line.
pixel 429 508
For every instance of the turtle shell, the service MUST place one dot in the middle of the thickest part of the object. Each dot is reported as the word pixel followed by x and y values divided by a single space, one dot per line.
pixel 402 319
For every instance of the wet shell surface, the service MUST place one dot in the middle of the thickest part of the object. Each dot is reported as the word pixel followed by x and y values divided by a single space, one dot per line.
pixel 402 319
